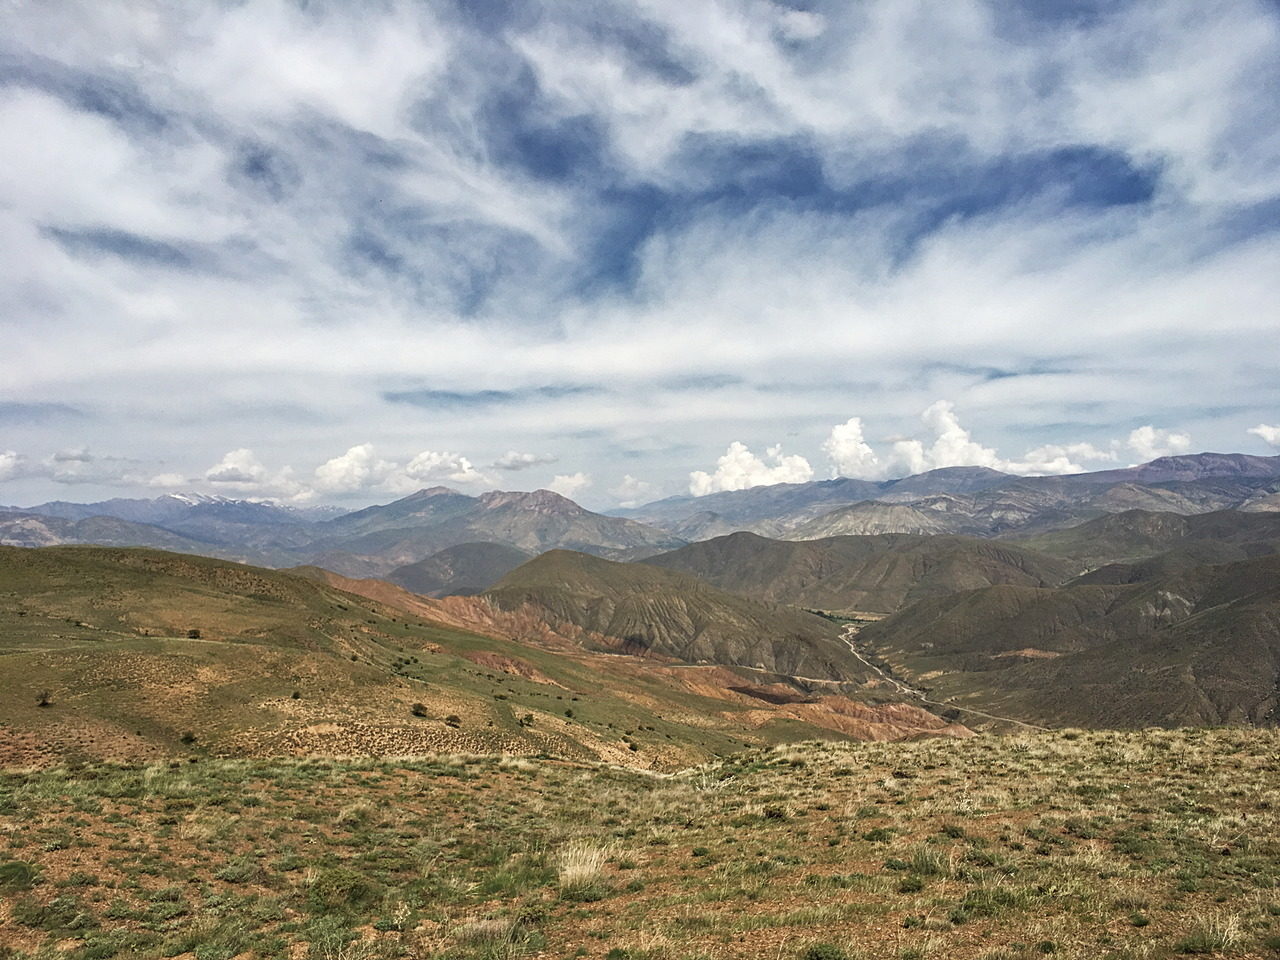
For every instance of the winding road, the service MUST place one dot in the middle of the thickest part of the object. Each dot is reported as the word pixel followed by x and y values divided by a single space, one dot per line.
pixel 906 689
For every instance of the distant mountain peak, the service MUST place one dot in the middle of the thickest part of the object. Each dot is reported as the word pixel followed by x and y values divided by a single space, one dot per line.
pixel 546 501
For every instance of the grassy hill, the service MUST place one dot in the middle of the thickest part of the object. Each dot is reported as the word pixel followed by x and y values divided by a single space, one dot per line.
pixel 287 665
pixel 1198 646
pixel 464 569
pixel 648 610
pixel 1074 845
pixel 880 573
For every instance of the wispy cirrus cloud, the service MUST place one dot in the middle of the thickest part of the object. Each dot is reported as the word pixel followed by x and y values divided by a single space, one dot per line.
pixel 451 227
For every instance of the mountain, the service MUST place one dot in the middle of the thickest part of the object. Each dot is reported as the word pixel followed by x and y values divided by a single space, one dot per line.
pixel 372 541
pixel 646 610
pixel 1139 534
pixel 879 573
pixel 771 509
pixel 379 539
pixel 1196 646
pixel 871 516
pixel 1192 467
pixel 178 507
pixel 977 501
pixel 138 655
pixel 461 570
pixel 23 529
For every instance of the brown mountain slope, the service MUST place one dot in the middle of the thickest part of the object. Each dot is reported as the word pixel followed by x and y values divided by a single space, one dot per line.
pixel 873 573
pixel 653 611
pixel 1197 646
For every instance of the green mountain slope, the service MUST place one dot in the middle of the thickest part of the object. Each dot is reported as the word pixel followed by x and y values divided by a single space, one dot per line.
pixel 459 571
pixel 1194 647
pixel 648 610
pixel 879 573
pixel 1138 534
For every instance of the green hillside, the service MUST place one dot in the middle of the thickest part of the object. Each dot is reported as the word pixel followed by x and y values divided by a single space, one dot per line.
pixel 879 573
pixel 647 610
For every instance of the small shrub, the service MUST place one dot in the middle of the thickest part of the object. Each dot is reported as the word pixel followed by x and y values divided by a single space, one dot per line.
pixel 823 951
pixel 418 710
pixel 341 888
pixel 1215 935
pixel 17 875
pixel 581 871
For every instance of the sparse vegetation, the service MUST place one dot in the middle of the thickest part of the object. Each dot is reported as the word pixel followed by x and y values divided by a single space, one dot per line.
pixel 1083 845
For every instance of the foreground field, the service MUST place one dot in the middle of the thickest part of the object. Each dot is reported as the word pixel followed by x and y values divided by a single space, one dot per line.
pixel 1070 844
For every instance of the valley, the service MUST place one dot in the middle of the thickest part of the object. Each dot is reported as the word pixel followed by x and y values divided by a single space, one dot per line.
pixel 505 727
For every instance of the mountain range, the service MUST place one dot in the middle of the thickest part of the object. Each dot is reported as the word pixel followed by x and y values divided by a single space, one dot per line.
pixel 1125 597
pixel 972 500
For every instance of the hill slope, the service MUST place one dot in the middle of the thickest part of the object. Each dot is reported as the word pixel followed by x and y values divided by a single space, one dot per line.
pixel 880 573
pixel 459 571
pixel 1199 646
pixel 295 665
pixel 1139 534
pixel 654 611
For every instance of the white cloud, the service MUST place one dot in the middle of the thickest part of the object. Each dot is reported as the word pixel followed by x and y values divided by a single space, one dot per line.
pixel 569 485
pixel 1270 435
pixel 739 469
pixel 12 464
pixel 952 445
pixel 631 492
pixel 1148 442
pixel 512 460
pixel 241 472
pixel 167 481
pixel 849 452
pixel 339 225
pixel 237 466
pixel 431 466
pixel 356 470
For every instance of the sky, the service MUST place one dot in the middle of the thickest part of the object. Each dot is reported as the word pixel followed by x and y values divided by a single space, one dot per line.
pixel 332 252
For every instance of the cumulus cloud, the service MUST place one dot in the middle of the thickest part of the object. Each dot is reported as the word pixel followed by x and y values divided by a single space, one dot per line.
pixel 357 469
pixel 739 469
pixel 237 466
pixel 11 464
pixel 431 466
pixel 1148 442
pixel 951 445
pixel 849 452
pixel 512 460
pixel 242 473
pixel 631 492
pixel 1268 434
pixel 569 485
pixel 1057 459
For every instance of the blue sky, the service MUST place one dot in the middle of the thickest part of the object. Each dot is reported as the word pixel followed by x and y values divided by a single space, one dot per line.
pixel 334 252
